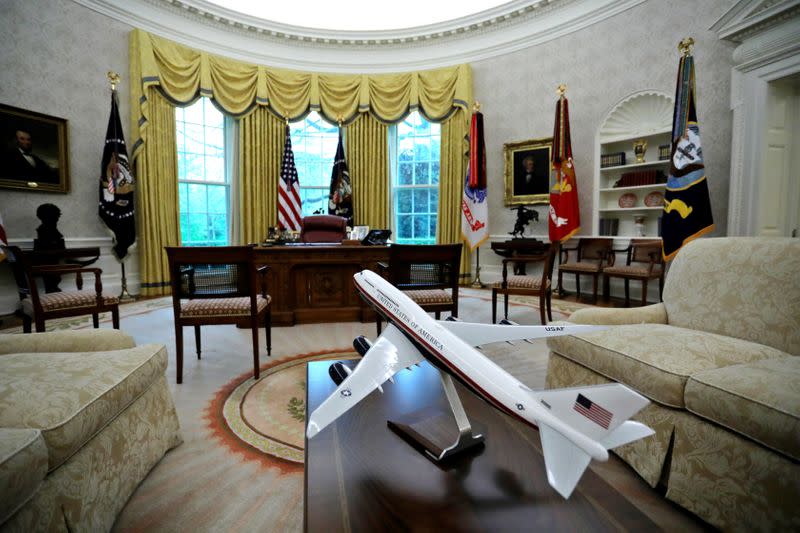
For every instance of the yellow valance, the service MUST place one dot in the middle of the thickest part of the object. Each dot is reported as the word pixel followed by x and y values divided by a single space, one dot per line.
pixel 183 74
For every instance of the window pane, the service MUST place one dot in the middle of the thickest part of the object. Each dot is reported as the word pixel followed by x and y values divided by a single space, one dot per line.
pixel 405 174
pixel 215 142
pixel 217 199
pixel 183 200
pixel 422 149
pixel 421 174
pixel 404 229
pixel 194 113
pixel 421 201
pixel 420 227
pixel 215 169
pixel 434 202
pixel 213 116
pixel 403 201
pixel 198 228
pixel 435 173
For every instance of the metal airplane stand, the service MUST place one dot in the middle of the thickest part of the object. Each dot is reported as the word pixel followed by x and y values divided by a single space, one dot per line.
pixel 434 433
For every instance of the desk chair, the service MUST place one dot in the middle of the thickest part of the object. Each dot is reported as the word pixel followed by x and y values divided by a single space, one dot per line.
pixel 323 228
pixel 38 307
pixel 527 285
pixel 590 256
pixel 217 285
pixel 428 274
pixel 644 262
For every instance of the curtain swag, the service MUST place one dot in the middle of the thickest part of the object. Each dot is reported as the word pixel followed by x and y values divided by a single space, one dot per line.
pixel 183 74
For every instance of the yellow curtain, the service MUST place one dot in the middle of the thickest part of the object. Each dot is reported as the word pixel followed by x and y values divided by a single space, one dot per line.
pixel 452 173
pixel 261 138
pixel 157 196
pixel 238 88
pixel 368 161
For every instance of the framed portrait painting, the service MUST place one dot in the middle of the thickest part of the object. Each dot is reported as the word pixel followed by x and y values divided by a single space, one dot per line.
pixel 33 151
pixel 528 172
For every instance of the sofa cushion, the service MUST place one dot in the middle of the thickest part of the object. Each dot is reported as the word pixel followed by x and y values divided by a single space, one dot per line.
pixel 81 340
pixel 743 287
pixel 657 359
pixel 72 396
pixel 760 400
pixel 23 466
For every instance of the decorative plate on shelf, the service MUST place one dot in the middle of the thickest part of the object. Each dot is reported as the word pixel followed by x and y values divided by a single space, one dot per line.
pixel 627 200
pixel 654 199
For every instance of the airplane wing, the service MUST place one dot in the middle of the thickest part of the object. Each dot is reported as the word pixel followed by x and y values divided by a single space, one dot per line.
pixel 391 353
pixel 476 334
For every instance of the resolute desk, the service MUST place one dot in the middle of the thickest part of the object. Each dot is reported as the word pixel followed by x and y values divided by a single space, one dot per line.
pixel 362 476
pixel 314 283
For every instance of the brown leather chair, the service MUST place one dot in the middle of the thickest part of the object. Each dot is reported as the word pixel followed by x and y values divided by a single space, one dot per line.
pixel 527 285
pixel 38 307
pixel 589 258
pixel 217 285
pixel 323 228
pixel 428 274
pixel 644 262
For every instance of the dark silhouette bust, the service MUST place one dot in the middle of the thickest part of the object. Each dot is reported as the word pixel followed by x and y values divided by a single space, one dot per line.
pixel 48 236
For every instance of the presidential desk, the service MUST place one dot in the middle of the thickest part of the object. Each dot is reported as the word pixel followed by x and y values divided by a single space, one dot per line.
pixel 313 283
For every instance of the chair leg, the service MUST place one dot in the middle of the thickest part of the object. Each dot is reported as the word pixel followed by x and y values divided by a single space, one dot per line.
pixel 254 331
pixel 627 292
pixel 644 292
pixel 39 324
pixel 560 286
pixel 197 340
pixel 549 305
pixel 26 324
pixel 577 286
pixel 96 320
pixel 542 308
pixel 438 315
pixel 179 353
pixel 494 306
pixel 268 327
pixel 378 322
pixel 505 305
pixel 594 287
pixel 661 288
pixel 115 317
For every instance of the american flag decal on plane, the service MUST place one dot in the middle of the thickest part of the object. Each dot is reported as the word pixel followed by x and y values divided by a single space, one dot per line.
pixel 592 411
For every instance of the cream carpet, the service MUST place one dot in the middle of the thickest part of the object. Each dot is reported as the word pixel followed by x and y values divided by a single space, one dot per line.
pixel 208 484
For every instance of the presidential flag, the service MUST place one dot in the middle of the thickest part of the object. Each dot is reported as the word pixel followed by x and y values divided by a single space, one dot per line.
pixel 290 206
pixel 117 185
pixel 474 205
pixel 340 198
pixel 687 205
pixel 564 215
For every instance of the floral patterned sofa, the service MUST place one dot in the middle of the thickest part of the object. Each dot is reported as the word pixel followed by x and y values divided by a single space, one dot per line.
pixel 84 416
pixel 718 358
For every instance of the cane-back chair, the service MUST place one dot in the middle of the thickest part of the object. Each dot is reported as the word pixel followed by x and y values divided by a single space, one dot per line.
pixel 588 258
pixel 428 274
pixel 218 285
pixel 644 262
pixel 538 285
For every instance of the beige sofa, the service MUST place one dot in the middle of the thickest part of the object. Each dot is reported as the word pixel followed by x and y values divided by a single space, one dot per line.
pixel 718 359
pixel 84 416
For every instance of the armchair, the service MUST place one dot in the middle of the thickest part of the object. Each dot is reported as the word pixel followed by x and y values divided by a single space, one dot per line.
pixel 644 262
pixel 428 274
pixel 527 285
pixel 217 285
pixel 39 307
pixel 591 255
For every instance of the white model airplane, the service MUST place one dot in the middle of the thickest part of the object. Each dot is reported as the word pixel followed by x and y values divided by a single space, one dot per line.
pixel 575 424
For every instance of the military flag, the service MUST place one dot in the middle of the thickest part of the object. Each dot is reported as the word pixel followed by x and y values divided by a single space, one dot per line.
pixel 340 198
pixel 564 214
pixel 290 206
pixel 474 205
pixel 116 207
pixel 687 205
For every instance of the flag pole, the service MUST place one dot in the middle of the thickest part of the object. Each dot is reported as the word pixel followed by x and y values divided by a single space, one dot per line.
pixel 477 283
pixel 124 295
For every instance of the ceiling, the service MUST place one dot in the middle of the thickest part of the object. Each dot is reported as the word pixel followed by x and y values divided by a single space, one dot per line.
pixel 500 28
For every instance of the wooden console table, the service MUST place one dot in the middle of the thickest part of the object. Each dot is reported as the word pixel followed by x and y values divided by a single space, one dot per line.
pixel 362 476
pixel 315 283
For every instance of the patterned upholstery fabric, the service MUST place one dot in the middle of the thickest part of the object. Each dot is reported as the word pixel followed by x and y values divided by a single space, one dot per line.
pixel 760 400
pixel 430 296
pixel 725 285
pixel 86 340
pixel 222 306
pixel 632 270
pixel 82 392
pixel 66 300
pixel 657 359
pixel 521 282
pixel 23 466
pixel 583 266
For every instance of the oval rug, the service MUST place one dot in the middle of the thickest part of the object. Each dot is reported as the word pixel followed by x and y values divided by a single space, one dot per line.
pixel 267 416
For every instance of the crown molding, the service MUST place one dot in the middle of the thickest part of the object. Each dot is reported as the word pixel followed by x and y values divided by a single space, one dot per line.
pixel 507 28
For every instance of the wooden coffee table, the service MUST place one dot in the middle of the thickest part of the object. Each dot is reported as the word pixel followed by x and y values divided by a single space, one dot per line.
pixel 362 476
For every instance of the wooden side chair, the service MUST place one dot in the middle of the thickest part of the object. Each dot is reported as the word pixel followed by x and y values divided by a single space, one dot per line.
pixel 589 258
pixel 428 274
pixel 38 307
pixel 217 285
pixel 527 285
pixel 644 262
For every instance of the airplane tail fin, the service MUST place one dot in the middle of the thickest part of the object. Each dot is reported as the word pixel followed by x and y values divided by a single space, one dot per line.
pixel 564 461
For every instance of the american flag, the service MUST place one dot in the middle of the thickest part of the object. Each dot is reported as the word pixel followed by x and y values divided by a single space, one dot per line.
pixel 592 411
pixel 290 207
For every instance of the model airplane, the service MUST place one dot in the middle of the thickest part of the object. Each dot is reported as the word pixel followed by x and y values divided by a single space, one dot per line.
pixel 575 424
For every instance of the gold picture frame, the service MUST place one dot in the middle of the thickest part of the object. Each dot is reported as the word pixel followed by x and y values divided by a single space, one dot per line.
pixel 526 185
pixel 33 151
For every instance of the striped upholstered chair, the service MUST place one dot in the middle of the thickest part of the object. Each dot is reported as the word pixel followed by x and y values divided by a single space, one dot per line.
pixel 644 262
pixel 38 306
pixel 538 285
pixel 428 274
pixel 218 285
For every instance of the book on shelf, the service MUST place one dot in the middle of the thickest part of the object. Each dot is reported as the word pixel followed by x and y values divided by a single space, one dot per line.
pixel 612 160
pixel 663 152
pixel 641 177
pixel 609 226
